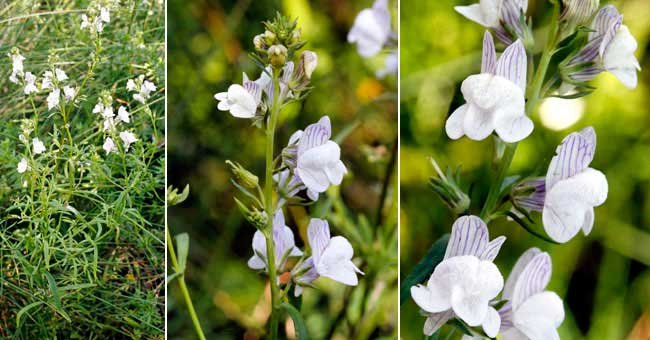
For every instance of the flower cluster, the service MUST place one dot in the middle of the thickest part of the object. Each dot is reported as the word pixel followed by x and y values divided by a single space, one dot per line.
pixel 96 17
pixel 372 32
pixel 466 284
pixel 53 81
pixel 142 88
pixel 104 108
pixel 254 98
pixel 310 163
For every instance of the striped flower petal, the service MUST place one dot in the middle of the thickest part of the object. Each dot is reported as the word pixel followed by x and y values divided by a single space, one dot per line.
pixel 512 64
pixel 469 236
pixel 572 156
pixel 533 279
pixel 489 60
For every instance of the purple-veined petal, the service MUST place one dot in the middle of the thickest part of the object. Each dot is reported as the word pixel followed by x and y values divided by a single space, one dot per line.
pixel 519 267
pixel 316 165
pixel 492 249
pixel 532 280
pixel 315 135
pixel 572 156
pixel 489 60
pixel 469 236
pixel 473 12
pixel 318 234
pixel 512 64
pixel 605 25
pixel 511 11
pixel 436 320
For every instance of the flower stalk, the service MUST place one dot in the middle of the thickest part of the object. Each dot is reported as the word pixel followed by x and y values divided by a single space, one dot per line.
pixel 183 286
pixel 268 206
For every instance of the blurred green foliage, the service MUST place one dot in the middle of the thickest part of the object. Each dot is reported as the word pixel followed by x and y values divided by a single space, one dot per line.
pixel 208 45
pixel 604 278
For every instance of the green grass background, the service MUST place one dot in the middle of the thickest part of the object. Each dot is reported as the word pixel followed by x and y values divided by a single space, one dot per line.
pixel 604 278
pixel 97 273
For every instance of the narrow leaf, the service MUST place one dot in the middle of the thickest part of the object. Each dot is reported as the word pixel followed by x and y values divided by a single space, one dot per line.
pixel 298 322
pixel 182 248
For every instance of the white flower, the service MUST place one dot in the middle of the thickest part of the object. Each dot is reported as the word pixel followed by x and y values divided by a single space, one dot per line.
pixel 109 145
pixel 84 21
pixel 495 98
pixel 109 124
pixel 503 16
pixel 318 158
pixel 17 62
pixel 573 189
pixel 242 101
pixel 47 80
pixel 531 313
pixel 371 29
pixel 38 146
pixel 106 111
pixel 30 83
pixel 465 285
pixel 465 281
pixel 128 138
pixel 53 99
pixel 17 67
pixel 144 88
pixel 22 166
pixel 123 115
pixel 486 12
pixel 104 14
pixel 60 74
pixel 283 241
pixel 616 50
pixel 130 85
pixel 69 92
pixel 331 257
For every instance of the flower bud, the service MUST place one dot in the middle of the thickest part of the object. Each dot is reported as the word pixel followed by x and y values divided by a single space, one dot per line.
pixel 295 37
pixel 449 191
pixel 174 198
pixel 578 12
pixel 255 216
pixel 308 63
pixel 258 42
pixel 290 155
pixel 277 55
pixel 243 176
pixel 269 37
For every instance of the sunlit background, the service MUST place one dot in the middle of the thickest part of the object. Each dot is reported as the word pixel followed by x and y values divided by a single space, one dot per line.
pixel 604 278
pixel 208 45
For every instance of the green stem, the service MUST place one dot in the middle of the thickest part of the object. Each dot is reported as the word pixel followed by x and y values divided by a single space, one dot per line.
pixel 533 99
pixel 183 286
pixel 268 207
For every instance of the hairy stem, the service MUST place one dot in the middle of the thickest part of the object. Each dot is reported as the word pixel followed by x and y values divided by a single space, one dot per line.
pixel 183 286
pixel 268 207
pixel 533 99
